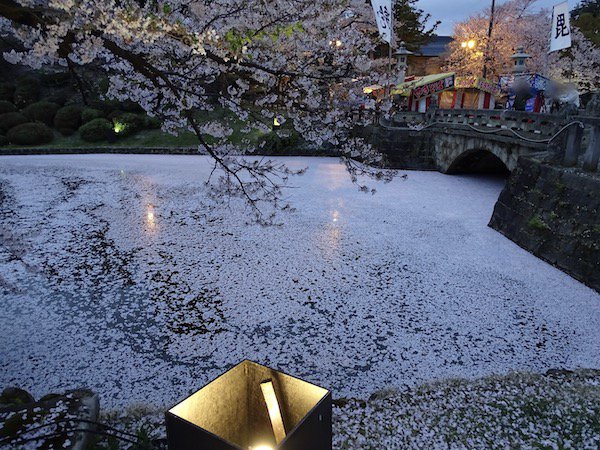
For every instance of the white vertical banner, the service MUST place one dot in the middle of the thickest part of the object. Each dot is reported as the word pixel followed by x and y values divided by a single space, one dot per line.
pixel 561 28
pixel 383 14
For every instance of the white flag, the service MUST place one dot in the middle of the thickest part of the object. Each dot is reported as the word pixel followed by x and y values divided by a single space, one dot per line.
pixel 383 14
pixel 561 28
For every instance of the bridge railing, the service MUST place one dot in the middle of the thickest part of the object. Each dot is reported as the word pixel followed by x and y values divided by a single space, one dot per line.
pixel 581 144
pixel 540 125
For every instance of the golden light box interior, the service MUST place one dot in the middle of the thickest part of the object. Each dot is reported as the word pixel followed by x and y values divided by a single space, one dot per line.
pixel 238 406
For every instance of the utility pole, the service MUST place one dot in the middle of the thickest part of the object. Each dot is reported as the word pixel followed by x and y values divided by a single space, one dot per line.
pixel 489 38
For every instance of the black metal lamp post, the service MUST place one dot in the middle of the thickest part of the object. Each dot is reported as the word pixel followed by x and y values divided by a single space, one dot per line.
pixel 252 407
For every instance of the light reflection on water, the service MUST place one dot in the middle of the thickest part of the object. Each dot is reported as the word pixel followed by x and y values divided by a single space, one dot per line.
pixel 150 220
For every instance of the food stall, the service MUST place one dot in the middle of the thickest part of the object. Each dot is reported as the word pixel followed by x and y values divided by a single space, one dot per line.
pixel 421 90
pixel 471 92
pixel 534 86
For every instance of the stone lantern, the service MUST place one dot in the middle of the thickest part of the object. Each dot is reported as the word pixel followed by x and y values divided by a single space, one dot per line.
pixel 520 58
pixel 402 65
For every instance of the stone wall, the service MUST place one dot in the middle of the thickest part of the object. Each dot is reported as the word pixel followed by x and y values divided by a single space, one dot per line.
pixel 554 213
pixel 403 149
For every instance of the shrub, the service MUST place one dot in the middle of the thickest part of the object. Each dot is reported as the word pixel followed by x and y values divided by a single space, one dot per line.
pixel 131 107
pixel 56 79
pixel 3 141
pixel 130 123
pixel 10 120
pixel 6 107
pixel 7 91
pixel 152 123
pixel 97 130
pixel 68 119
pixel 107 106
pixel 34 133
pixel 112 115
pixel 41 112
pixel 277 144
pixel 59 97
pixel 89 114
pixel 26 92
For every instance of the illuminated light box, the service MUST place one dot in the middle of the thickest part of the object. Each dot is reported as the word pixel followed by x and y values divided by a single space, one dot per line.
pixel 252 407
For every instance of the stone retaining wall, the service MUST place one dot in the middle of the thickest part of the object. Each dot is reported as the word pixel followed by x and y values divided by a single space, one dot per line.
pixel 554 213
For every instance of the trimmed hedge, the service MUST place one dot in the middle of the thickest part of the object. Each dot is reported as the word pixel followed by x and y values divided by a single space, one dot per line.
pixel 273 143
pixel 7 91
pixel 56 79
pixel 68 119
pixel 152 123
pixel 10 120
pixel 97 130
pixel 89 114
pixel 6 107
pixel 132 123
pixel 27 92
pixel 3 141
pixel 34 133
pixel 41 112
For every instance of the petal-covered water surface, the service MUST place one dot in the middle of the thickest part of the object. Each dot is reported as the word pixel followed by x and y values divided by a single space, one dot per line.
pixel 118 274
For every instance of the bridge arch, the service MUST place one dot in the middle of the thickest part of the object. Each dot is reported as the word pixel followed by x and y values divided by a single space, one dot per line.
pixel 480 160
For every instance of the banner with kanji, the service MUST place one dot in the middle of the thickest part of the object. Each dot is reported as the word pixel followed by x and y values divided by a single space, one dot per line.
pixel 383 15
pixel 561 28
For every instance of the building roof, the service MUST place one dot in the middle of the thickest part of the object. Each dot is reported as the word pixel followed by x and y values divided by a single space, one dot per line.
pixel 437 46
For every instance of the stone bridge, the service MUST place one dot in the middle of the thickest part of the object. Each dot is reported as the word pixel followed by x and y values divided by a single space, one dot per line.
pixel 459 141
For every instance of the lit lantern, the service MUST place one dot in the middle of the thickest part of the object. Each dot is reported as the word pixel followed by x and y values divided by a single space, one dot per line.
pixel 252 407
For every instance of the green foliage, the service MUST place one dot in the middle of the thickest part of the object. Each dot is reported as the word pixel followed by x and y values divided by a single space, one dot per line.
pixel 60 97
pixel 10 120
pixel 278 144
pixel 97 130
pixel 152 123
pixel 414 31
pixel 7 91
pixel 56 79
pixel 127 124
pixel 238 39
pixel 68 119
pixel 538 224
pixel 41 112
pixel 30 134
pixel 3 141
pixel 89 114
pixel 586 17
pixel 6 107
pixel 27 92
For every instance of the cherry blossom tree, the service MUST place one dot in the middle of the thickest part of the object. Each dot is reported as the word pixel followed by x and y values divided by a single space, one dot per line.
pixel 292 60
pixel 579 65
pixel 515 25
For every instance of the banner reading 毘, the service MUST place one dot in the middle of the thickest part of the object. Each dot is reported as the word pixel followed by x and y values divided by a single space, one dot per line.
pixel 561 28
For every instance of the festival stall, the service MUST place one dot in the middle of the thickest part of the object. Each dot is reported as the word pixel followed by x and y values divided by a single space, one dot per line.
pixel 420 91
pixel 471 92
pixel 525 91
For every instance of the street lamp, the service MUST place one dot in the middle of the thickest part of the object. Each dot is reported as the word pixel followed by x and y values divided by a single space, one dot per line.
pixel 469 44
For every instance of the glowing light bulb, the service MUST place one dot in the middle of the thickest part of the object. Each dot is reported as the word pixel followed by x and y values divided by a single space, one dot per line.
pixel 338 43
pixel 262 447
pixel 471 44
pixel 119 127
pixel 464 45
